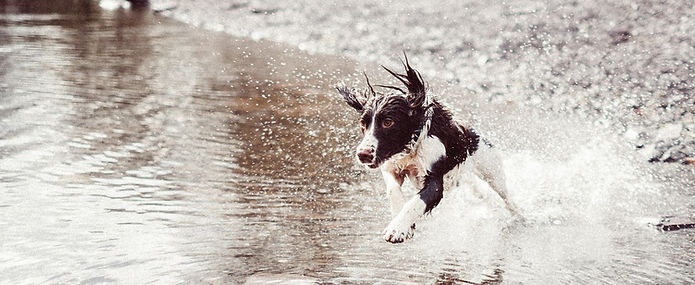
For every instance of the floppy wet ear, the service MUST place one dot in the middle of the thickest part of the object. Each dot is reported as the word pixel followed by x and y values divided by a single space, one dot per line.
pixel 352 98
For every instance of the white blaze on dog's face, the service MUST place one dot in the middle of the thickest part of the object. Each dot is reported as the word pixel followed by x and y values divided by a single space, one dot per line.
pixel 388 120
pixel 388 123
pixel 367 147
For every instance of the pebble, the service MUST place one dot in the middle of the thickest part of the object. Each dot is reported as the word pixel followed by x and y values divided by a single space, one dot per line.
pixel 604 59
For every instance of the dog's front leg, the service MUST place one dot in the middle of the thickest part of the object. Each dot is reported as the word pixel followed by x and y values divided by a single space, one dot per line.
pixel 403 225
pixel 393 189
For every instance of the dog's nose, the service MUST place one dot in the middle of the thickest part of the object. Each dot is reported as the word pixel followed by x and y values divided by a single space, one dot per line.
pixel 365 155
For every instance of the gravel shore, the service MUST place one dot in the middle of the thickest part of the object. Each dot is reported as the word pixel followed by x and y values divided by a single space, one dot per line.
pixel 628 63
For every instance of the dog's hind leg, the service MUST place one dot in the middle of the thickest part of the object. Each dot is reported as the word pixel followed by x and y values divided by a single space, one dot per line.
pixel 489 166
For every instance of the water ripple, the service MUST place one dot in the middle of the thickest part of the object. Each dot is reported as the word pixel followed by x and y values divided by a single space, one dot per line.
pixel 137 150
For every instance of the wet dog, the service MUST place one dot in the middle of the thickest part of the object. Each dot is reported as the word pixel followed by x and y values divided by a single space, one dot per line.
pixel 409 134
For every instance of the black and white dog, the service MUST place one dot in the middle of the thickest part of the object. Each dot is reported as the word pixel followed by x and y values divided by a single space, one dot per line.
pixel 408 134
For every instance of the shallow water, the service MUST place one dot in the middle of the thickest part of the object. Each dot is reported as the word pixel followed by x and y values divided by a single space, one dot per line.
pixel 134 149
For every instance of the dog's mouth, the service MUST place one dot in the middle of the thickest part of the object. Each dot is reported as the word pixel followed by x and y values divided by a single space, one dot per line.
pixel 374 164
pixel 377 161
pixel 374 161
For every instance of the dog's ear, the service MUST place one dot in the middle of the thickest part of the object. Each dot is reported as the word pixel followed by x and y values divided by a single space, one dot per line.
pixel 417 89
pixel 352 97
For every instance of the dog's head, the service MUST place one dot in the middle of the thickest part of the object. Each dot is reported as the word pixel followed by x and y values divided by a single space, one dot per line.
pixel 389 120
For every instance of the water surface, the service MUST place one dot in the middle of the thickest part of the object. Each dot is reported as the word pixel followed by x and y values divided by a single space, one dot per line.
pixel 134 149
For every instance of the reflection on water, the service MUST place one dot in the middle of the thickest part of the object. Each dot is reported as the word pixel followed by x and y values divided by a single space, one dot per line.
pixel 134 149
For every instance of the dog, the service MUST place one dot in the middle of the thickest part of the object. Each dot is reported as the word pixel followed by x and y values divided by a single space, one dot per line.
pixel 409 134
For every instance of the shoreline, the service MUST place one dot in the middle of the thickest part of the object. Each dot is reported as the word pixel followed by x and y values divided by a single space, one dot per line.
pixel 626 65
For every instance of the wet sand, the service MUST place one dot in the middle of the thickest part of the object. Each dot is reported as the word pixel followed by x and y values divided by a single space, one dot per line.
pixel 626 64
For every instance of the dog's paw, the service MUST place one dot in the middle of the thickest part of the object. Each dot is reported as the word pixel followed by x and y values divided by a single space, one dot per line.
pixel 398 233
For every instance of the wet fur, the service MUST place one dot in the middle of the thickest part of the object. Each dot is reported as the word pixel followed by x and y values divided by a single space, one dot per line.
pixel 446 146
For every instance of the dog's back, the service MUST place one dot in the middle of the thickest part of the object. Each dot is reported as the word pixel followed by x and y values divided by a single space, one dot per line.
pixel 411 135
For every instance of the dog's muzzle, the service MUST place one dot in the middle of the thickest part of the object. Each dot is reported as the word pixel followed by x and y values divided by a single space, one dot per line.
pixel 366 155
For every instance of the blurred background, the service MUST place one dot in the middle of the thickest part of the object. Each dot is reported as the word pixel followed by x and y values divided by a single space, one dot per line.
pixel 203 142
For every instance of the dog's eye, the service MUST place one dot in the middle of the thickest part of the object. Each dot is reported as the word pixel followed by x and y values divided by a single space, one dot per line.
pixel 387 123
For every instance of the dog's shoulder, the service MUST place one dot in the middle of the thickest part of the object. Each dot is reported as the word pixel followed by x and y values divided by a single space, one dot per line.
pixel 459 141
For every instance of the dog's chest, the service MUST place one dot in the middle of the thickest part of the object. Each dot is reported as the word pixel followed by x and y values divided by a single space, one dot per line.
pixel 408 166
pixel 415 173
pixel 416 164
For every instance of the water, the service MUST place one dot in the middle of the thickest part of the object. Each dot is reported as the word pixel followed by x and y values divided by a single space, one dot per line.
pixel 134 149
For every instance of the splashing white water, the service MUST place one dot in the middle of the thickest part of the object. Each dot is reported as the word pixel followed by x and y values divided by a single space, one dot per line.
pixel 568 170
pixel 114 4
